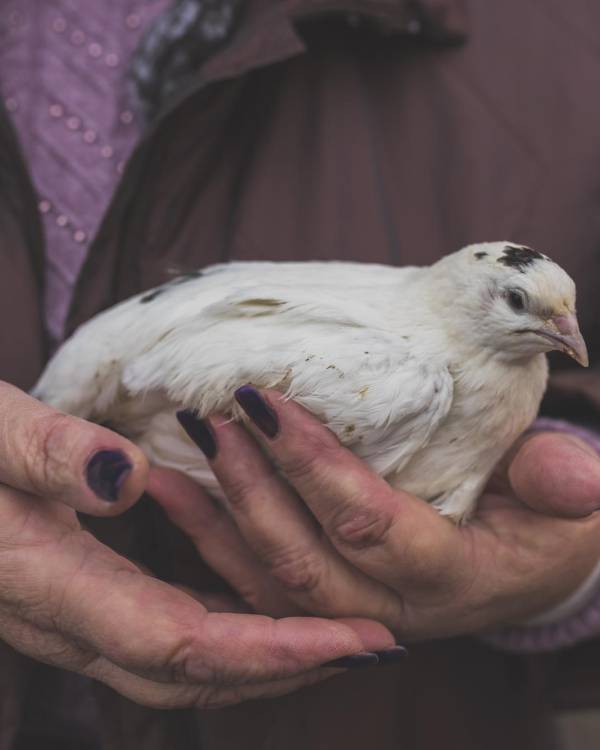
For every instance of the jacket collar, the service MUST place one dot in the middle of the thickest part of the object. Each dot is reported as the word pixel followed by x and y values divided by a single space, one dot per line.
pixel 436 20
pixel 266 33
pixel 446 19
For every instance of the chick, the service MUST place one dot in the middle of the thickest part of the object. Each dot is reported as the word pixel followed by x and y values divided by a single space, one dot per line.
pixel 427 373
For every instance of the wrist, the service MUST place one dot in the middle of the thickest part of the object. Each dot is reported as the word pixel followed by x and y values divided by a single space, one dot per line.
pixel 577 617
pixel 584 595
pixel 577 622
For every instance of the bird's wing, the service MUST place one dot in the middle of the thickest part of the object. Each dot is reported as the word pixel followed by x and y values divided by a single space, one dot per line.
pixel 376 390
pixel 329 349
pixel 84 376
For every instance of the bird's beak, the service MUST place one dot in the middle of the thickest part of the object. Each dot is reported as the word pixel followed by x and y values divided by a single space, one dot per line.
pixel 563 331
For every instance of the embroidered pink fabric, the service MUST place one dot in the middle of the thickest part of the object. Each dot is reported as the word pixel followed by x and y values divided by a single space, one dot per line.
pixel 63 76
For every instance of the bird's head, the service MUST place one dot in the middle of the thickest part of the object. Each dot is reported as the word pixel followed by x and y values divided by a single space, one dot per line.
pixel 518 301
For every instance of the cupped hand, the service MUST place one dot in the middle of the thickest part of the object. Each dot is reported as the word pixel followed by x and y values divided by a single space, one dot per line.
pixel 331 538
pixel 68 600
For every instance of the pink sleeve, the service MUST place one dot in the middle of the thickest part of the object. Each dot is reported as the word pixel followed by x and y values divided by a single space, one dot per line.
pixel 578 618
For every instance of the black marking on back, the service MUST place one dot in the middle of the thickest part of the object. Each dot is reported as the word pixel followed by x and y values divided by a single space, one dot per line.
pixel 480 255
pixel 520 257
pixel 152 295
pixel 189 276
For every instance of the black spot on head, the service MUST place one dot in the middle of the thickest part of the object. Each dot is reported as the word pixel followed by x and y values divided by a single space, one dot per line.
pixel 481 254
pixel 152 295
pixel 520 257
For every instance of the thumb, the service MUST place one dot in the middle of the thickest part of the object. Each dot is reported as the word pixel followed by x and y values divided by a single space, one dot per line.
pixel 52 455
pixel 556 474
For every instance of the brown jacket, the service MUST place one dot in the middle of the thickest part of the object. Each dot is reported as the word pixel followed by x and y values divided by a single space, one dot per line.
pixel 384 130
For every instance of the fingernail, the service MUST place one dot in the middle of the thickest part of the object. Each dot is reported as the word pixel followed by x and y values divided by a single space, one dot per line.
pixel 106 473
pixel 357 661
pixel 200 431
pixel 392 655
pixel 258 410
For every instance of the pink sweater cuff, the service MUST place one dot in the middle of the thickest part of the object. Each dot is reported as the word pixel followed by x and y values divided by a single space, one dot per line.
pixel 579 625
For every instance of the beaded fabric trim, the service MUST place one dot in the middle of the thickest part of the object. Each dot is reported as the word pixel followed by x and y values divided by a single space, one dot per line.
pixel 174 47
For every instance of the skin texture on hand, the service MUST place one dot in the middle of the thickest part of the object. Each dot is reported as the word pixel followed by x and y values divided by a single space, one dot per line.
pixel 329 537
pixel 68 600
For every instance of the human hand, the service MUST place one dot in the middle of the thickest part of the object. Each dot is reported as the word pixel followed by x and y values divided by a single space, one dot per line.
pixel 366 549
pixel 68 600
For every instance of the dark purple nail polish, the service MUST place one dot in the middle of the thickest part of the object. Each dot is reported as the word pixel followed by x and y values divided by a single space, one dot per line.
pixel 106 473
pixel 392 655
pixel 258 410
pixel 357 661
pixel 200 431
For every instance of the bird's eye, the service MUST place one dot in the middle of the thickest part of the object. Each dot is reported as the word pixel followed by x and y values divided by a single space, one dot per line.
pixel 516 300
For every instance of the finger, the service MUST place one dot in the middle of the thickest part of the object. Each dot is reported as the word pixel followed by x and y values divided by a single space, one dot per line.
pixel 218 542
pixel 56 456
pixel 159 695
pixel 391 535
pixel 285 537
pixel 556 474
pixel 51 648
pixel 74 585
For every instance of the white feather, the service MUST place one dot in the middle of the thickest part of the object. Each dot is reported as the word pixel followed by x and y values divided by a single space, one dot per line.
pixel 399 362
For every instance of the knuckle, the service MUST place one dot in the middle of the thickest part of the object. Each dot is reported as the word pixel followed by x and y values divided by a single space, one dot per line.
pixel 46 462
pixel 360 527
pixel 71 656
pixel 169 654
pixel 237 491
pixel 188 662
pixel 298 570
pixel 317 448
pixel 426 561
pixel 62 596
pixel 179 652
pixel 241 489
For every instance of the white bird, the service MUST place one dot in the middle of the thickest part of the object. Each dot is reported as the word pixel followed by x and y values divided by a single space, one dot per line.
pixel 427 373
